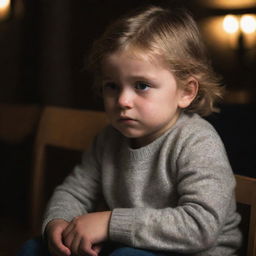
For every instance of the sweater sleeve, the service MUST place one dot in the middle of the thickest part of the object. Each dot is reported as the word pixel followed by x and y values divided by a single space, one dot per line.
pixel 78 193
pixel 204 185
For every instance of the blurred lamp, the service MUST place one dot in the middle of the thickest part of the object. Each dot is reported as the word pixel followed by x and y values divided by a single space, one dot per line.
pixel 233 23
pixel 241 28
pixel 5 6
pixel 248 24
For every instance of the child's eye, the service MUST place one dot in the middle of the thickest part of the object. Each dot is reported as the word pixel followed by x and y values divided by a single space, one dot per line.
pixel 142 86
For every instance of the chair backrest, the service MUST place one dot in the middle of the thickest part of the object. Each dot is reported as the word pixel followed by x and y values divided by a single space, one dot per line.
pixel 246 195
pixel 63 128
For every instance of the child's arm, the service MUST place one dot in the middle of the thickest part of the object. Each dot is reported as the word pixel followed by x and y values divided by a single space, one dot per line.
pixel 78 194
pixel 86 231
pixel 204 183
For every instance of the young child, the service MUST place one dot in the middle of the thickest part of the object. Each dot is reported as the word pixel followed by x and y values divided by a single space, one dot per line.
pixel 160 169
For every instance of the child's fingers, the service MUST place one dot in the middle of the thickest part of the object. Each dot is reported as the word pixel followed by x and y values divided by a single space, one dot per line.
pixel 86 248
pixel 75 244
pixel 97 248
pixel 69 239
pixel 59 251
pixel 67 230
pixel 58 247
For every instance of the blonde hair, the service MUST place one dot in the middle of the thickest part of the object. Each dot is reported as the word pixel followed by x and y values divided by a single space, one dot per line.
pixel 171 34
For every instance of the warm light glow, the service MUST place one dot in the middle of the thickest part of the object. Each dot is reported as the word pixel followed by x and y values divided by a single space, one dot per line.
pixel 4 4
pixel 248 23
pixel 228 4
pixel 230 24
pixel 4 8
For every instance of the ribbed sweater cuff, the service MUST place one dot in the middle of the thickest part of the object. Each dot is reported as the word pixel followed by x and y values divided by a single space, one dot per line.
pixel 121 226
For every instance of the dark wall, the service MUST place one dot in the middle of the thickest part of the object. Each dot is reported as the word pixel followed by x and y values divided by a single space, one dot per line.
pixel 42 50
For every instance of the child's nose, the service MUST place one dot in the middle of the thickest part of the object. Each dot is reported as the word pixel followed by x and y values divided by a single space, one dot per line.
pixel 125 99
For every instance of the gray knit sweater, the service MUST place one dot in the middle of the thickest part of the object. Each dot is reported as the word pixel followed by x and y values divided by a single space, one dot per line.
pixel 175 194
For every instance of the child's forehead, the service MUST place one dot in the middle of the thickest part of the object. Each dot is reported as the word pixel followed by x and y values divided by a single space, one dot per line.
pixel 153 57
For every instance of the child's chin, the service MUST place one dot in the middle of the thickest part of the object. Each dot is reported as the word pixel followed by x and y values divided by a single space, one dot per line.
pixel 129 134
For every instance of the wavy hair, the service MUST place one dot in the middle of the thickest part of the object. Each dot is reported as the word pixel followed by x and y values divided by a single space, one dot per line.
pixel 171 34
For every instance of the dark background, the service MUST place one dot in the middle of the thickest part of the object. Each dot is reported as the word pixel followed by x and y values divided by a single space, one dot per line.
pixel 43 45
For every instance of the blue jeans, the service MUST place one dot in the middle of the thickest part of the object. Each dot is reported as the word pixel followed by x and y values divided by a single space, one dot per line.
pixel 36 247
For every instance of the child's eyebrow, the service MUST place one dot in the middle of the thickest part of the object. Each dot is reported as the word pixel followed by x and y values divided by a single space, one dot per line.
pixel 141 77
pixel 133 77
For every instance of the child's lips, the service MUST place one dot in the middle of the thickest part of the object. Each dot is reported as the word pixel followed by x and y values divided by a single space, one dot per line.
pixel 126 119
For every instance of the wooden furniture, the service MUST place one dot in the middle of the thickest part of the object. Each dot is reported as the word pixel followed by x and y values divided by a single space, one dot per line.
pixel 63 128
pixel 246 195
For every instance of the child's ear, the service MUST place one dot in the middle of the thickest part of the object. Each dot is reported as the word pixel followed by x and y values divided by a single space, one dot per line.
pixel 188 93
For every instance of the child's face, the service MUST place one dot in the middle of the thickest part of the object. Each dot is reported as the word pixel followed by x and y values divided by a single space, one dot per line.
pixel 141 96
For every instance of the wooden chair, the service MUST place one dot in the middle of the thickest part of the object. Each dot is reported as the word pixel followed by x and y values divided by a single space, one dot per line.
pixel 62 128
pixel 246 196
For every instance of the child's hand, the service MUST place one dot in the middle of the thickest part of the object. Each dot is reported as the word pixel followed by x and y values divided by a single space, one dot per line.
pixel 86 232
pixel 54 230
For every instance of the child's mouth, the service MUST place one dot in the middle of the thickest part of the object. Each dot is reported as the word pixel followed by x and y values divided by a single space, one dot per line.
pixel 126 120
